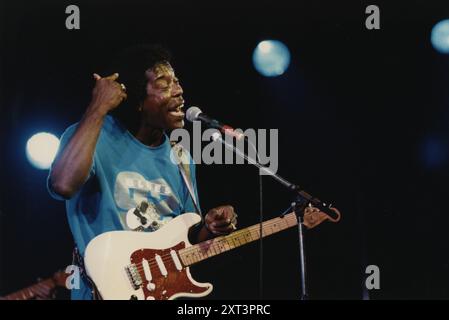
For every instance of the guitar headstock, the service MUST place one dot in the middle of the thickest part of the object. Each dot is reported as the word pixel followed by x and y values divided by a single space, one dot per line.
pixel 314 216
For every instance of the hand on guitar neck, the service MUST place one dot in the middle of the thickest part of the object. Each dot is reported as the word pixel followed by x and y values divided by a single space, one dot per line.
pixel 218 221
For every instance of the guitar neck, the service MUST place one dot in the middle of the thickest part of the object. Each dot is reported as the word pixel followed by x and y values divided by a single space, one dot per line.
pixel 30 292
pixel 216 246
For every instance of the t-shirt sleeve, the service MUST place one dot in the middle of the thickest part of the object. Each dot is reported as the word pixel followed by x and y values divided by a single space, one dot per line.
pixel 64 140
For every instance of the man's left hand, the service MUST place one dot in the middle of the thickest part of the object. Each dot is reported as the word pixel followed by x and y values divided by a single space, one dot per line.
pixel 221 220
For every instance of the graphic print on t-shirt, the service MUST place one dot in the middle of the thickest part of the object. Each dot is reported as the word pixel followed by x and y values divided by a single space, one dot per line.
pixel 131 189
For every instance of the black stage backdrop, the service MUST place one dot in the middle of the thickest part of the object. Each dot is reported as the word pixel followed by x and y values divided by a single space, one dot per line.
pixel 362 118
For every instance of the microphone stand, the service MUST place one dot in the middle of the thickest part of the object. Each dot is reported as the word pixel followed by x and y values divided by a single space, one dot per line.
pixel 301 201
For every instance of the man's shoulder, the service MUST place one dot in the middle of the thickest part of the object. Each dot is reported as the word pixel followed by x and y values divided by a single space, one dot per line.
pixel 110 125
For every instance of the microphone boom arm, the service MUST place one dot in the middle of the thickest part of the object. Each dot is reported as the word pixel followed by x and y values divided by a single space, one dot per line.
pixel 303 195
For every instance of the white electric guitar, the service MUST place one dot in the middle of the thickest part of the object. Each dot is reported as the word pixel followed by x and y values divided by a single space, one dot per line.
pixel 155 265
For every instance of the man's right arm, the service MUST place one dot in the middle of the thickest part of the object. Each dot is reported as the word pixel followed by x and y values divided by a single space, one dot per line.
pixel 71 168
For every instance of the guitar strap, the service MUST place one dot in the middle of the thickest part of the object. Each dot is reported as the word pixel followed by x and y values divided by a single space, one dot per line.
pixel 78 260
pixel 184 168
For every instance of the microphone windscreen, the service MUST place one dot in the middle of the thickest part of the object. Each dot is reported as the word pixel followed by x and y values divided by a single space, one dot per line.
pixel 192 113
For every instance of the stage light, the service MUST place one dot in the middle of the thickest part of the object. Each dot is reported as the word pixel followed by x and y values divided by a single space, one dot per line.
pixel 41 149
pixel 271 58
pixel 440 36
pixel 434 153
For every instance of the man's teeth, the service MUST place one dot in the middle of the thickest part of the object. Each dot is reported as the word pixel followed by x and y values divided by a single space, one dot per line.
pixel 178 109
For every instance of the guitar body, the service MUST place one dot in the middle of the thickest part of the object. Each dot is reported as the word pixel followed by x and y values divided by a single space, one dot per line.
pixel 144 265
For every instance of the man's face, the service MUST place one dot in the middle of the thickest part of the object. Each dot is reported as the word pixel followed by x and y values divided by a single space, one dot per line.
pixel 162 108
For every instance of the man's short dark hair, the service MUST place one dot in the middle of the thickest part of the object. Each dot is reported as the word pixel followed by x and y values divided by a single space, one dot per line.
pixel 131 64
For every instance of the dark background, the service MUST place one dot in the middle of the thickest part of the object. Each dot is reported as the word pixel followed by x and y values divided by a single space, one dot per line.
pixel 362 118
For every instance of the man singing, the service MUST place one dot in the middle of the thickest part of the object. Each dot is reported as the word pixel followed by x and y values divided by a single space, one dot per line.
pixel 116 159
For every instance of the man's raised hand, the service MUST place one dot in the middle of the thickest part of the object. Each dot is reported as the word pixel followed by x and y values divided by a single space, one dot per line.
pixel 107 93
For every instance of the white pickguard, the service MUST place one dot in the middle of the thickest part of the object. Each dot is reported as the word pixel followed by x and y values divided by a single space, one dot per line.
pixel 108 254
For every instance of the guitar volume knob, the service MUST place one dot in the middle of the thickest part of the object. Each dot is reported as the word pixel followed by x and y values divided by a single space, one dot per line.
pixel 151 286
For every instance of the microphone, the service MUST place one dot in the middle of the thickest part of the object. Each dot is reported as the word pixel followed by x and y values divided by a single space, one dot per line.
pixel 195 114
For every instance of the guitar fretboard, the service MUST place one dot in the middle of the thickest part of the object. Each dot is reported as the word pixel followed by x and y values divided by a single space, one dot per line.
pixel 30 292
pixel 216 246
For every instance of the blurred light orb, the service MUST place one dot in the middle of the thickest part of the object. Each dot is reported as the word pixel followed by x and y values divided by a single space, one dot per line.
pixel 440 36
pixel 271 58
pixel 434 153
pixel 41 149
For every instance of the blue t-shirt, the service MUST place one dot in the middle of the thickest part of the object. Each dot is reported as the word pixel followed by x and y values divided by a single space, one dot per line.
pixel 124 173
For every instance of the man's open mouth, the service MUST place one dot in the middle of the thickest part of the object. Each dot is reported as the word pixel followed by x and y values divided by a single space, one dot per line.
pixel 177 111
